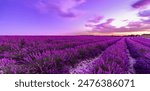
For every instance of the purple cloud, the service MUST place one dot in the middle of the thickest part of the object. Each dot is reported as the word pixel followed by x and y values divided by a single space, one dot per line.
pixel 134 24
pixel 146 21
pixel 89 25
pixel 65 8
pixel 145 13
pixel 106 26
pixel 67 14
pixel 141 4
pixel 96 19
pixel 131 27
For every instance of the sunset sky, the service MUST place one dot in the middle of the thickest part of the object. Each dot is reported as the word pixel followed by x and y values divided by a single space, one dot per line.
pixel 63 17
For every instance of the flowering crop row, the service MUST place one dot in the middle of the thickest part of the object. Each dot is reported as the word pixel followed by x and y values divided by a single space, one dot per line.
pixel 142 55
pixel 61 54
pixel 114 60
pixel 39 58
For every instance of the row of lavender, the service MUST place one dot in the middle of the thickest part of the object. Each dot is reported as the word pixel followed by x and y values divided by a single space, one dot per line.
pixel 130 55
pixel 140 50
pixel 49 54
pixel 57 55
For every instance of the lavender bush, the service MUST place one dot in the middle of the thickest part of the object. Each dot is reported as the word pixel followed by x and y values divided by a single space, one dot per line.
pixel 59 55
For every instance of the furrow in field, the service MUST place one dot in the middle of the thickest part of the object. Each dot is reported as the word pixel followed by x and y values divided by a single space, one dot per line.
pixel 141 54
pixel 92 66
pixel 85 67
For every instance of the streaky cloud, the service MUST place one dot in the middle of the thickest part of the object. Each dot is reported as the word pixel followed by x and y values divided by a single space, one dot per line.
pixel 96 19
pixel 141 4
pixel 65 8
pixel 145 13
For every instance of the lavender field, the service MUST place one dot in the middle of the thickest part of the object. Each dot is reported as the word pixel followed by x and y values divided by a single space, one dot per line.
pixel 74 55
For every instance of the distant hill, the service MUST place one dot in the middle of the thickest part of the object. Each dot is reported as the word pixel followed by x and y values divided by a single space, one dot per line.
pixel 146 35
